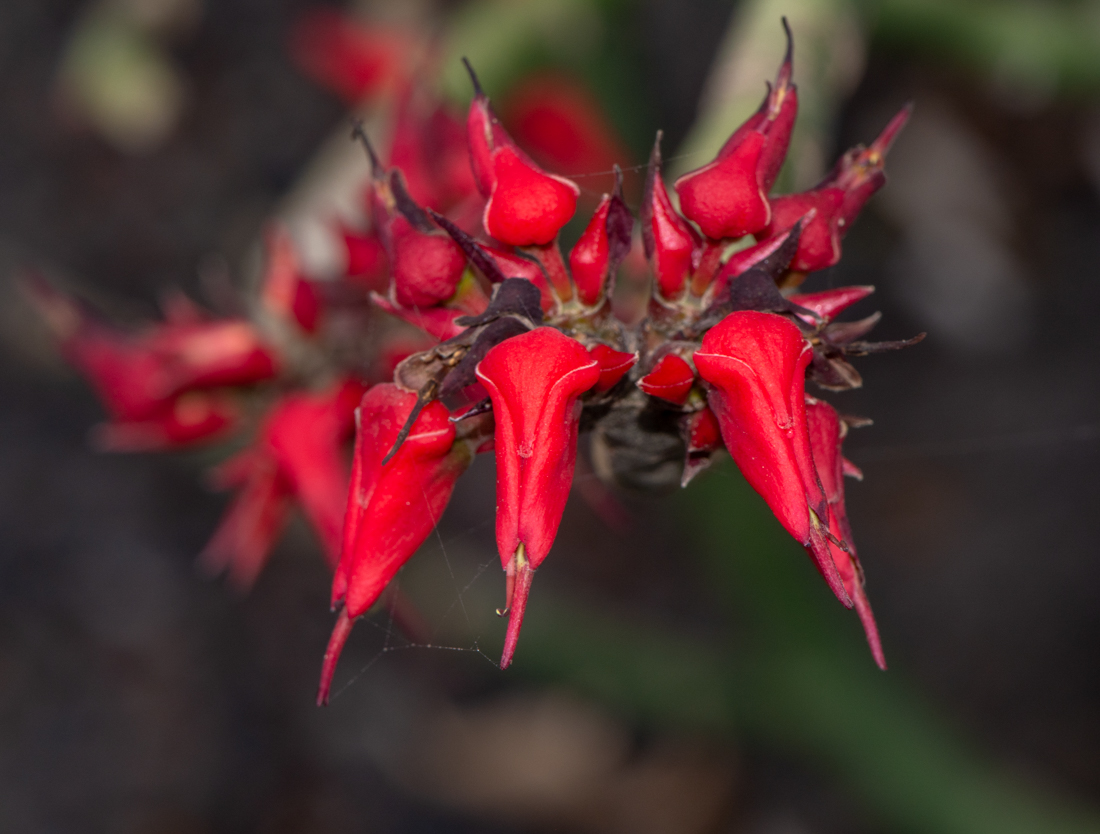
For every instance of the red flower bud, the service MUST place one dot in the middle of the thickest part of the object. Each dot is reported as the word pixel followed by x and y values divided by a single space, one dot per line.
pixel 601 248
pixel 671 244
pixel 671 379
pixel 728 198
pixel 527 206
pixel 614 365
pixel 826 435
pixel 426 266
pixel 534 380
pixel 836 201
pixel 756 365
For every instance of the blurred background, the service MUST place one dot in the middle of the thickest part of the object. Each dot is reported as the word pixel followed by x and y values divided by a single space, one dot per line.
pixel 685 672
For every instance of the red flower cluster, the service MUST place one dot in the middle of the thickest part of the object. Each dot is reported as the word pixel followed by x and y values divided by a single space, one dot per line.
pixel 527 343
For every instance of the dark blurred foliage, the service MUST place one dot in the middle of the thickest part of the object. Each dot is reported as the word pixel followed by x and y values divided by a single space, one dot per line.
pixel 135 697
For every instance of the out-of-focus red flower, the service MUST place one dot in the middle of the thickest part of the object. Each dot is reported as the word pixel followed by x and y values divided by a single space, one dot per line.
pixel 527 206
pixel 756 366
pixel 392 507
pixel 297 455
pixel 142 378
pixel 352 60
pixel 285 292
pixel 557 121
pixel 728 197
pixel 835 202
pixel 826 435
pixel 534 380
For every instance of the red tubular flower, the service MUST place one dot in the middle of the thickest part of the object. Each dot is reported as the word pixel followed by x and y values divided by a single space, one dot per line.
pixel 534 380
pixel 671 244
pixel 527 206
pixel 728 198
pixel 826 435
pixel 391 508
pixel 756 365
pixel 836 201
pixel 671 379
pixel 188 418
pixel 297 455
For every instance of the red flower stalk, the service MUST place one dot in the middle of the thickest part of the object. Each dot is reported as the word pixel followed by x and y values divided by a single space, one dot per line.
pixel 826 436
pixel 297 455
pixel 527 206
pixel 728 197
pixel 671 244
pixel 671 379
pixel 756 365
pixel 534 380
pixel 835 202
pixel 391 507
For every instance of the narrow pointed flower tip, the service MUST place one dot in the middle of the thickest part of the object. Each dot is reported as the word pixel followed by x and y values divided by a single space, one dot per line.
pixel 861 171
pixel 429 147
pixel 614 365
pixel 728 198
pixel 393 507
pixel 671 244
pixel 352 60
pixel 826 436
pixel 534 380
pixel 190 418
pixel 830 303
pixel 756 366
pixel 671 379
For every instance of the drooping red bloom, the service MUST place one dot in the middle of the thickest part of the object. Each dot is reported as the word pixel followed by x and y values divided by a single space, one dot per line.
pixel 756 366
pixel 534 380
pixel 160 385
pixel 826 436
pixel 835 202
pixel 296 457
pixel 353 60
pixel 728 197
pixel 527 206
pixel 392 507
